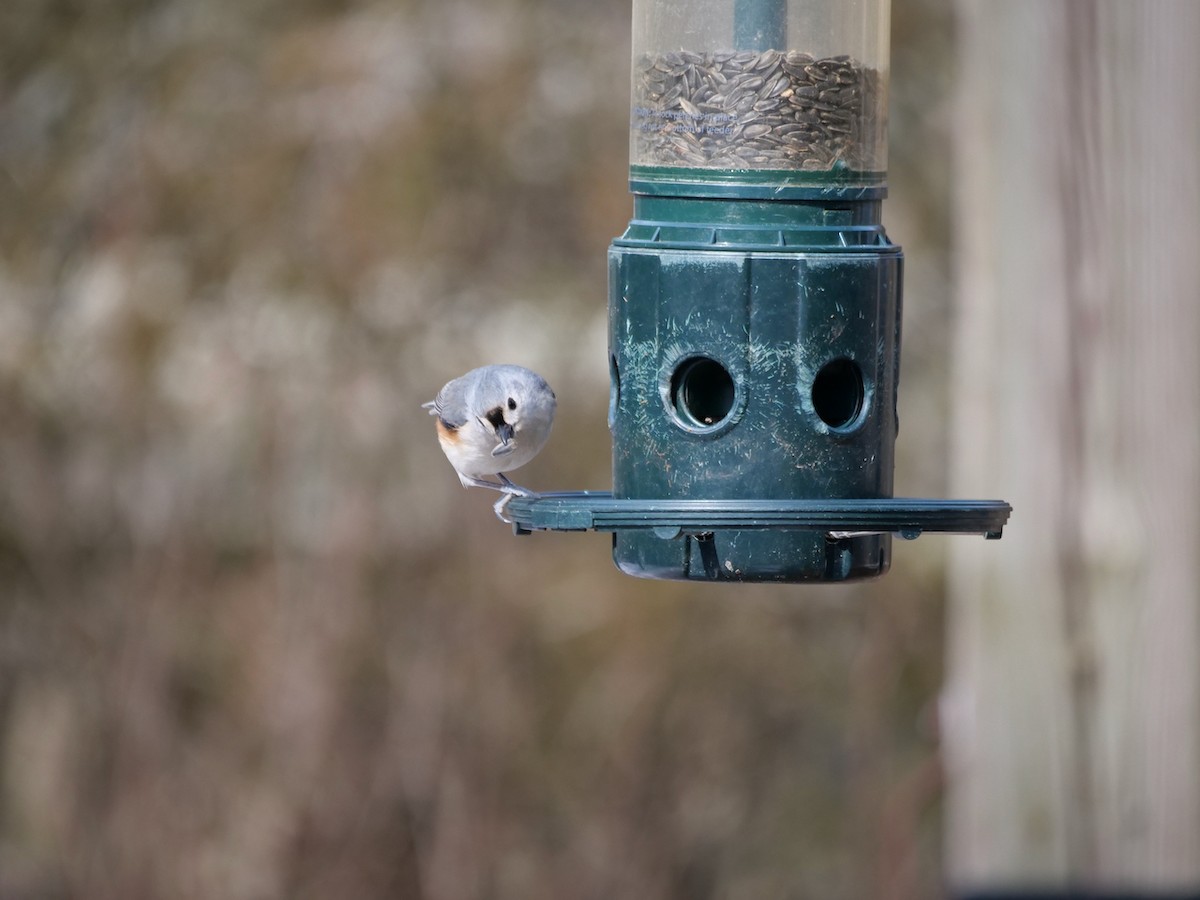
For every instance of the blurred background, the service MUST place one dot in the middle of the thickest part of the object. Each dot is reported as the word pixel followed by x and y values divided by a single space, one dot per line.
pixel 255 639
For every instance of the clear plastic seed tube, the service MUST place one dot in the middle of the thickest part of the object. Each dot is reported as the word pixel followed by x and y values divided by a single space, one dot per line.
pixel 760 86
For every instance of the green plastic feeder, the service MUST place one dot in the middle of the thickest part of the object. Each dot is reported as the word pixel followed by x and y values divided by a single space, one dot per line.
pixel 754 305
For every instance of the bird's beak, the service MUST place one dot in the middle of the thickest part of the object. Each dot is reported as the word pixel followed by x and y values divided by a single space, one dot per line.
pixel 505 433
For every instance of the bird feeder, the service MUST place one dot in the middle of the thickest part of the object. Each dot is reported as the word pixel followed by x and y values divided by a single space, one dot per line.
pixel 754 305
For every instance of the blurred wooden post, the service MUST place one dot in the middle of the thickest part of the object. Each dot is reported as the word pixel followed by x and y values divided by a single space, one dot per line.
pixel 1072 708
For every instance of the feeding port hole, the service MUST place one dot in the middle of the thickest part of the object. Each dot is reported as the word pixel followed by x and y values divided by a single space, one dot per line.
pixel 702 392
pixel 838 393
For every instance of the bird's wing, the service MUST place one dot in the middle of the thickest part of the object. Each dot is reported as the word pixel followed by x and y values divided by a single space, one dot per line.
pixel 450 404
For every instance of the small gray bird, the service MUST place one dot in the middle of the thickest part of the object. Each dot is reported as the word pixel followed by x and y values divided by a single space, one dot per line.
pixel 490 421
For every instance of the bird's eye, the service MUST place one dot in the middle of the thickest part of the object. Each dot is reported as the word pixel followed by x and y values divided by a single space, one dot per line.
pixel 512 404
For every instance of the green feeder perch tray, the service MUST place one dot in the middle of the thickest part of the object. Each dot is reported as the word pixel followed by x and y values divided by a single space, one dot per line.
pixel 701 532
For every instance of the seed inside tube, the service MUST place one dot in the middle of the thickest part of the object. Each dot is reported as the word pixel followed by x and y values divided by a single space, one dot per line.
pixel 768 110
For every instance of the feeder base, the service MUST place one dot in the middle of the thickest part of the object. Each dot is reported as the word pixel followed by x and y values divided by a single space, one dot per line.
pixel 805 540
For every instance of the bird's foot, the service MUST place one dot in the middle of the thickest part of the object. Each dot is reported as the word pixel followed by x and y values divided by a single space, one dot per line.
pixel 500 506
pixel 510 490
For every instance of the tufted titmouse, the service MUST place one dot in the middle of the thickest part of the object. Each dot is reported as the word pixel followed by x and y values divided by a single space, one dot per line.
pixel 490 421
